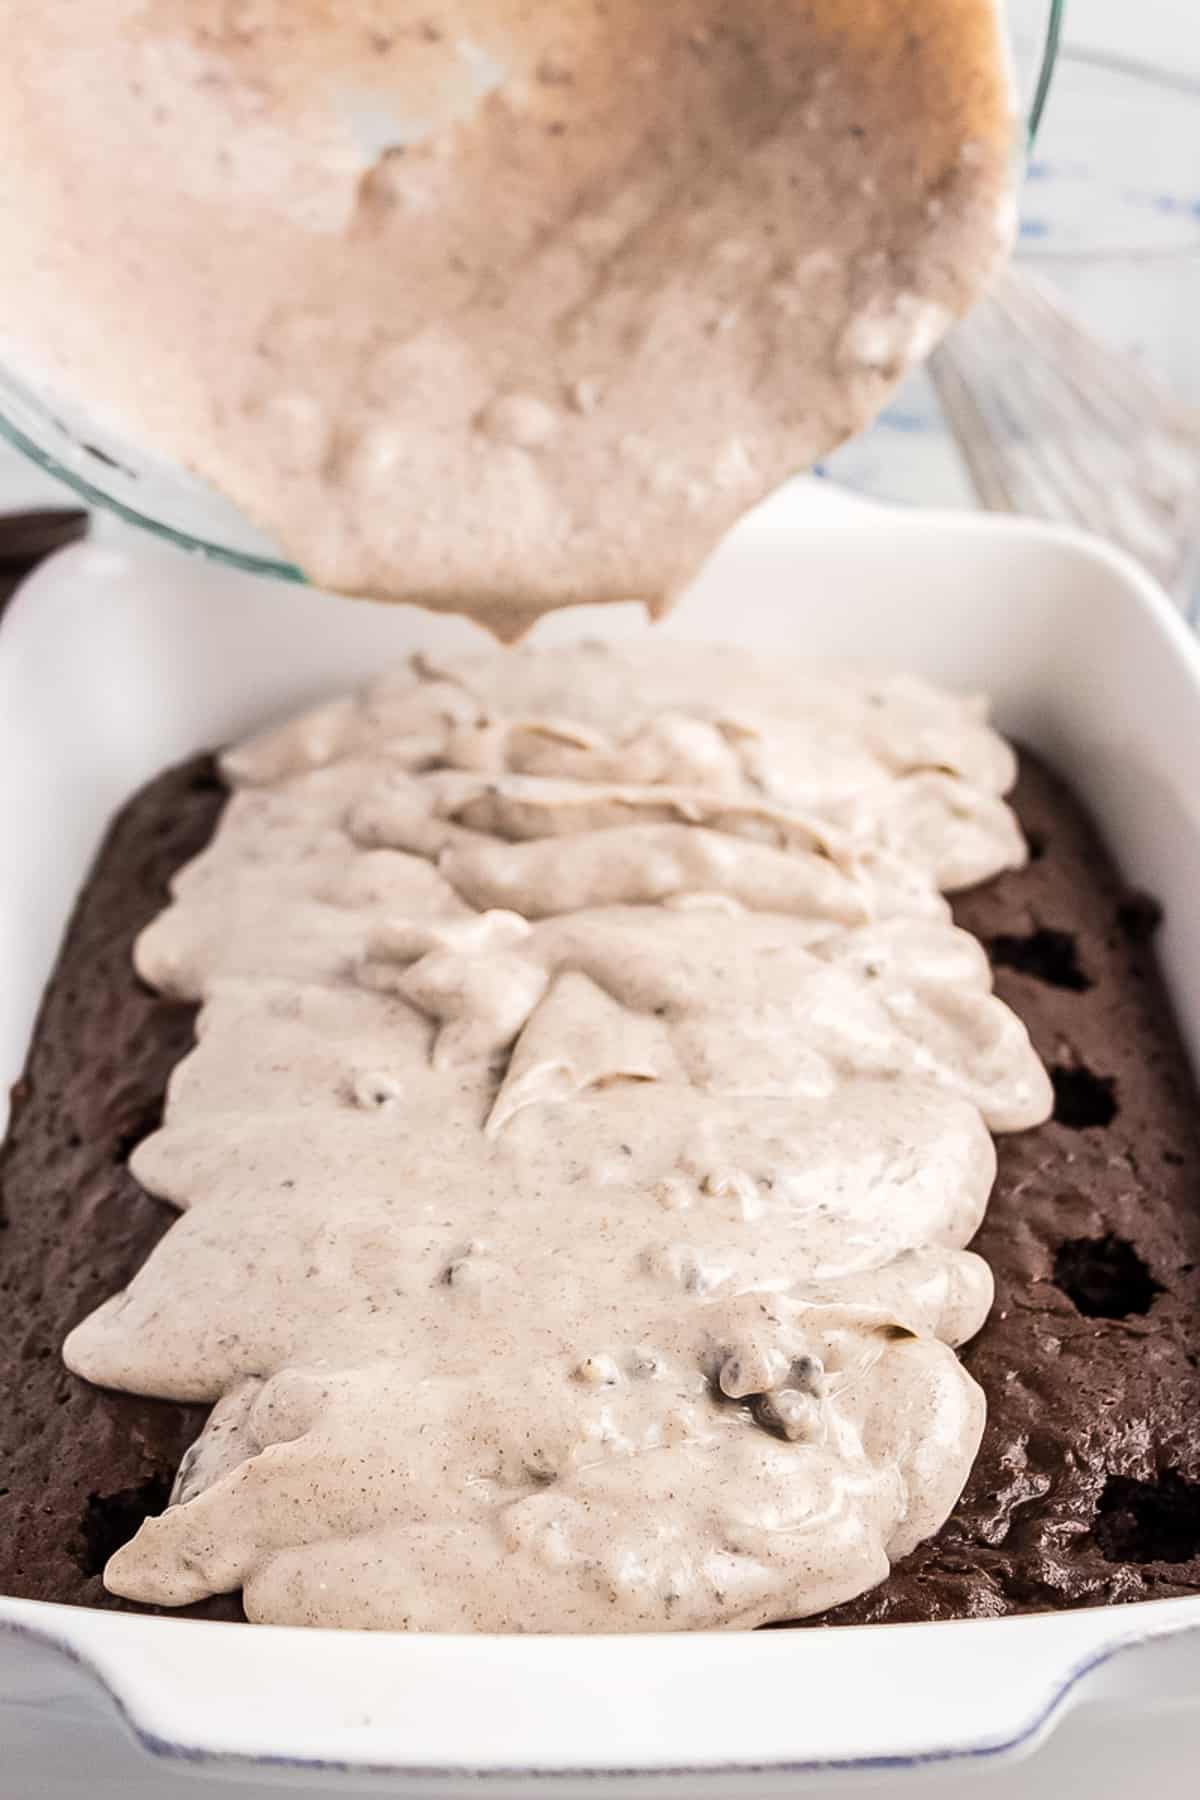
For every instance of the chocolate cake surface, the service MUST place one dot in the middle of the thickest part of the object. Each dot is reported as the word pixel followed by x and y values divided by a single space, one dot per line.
pixel 80 1467
pixel 1087 1488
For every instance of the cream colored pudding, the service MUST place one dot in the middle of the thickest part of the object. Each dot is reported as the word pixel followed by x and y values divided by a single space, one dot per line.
pixel 590 1108
pixel 501 306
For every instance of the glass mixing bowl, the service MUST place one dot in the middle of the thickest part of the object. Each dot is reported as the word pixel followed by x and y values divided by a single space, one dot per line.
pixel 108 470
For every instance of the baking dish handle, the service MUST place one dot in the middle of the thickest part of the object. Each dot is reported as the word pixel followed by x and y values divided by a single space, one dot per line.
pixel 536 1707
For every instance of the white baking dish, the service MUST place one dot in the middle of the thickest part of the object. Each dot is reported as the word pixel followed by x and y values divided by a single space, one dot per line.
pixel 117 659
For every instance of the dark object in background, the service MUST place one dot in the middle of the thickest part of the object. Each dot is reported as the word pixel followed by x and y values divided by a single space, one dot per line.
pixel 27 537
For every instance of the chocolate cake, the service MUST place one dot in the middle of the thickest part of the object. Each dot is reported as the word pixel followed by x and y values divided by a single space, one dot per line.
pixel 1087 1488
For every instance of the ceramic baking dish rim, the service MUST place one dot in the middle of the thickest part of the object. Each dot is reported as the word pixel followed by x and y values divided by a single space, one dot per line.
pixel 1045 1658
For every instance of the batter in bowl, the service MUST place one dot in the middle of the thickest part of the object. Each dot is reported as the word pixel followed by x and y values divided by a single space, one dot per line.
pixel 496 305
